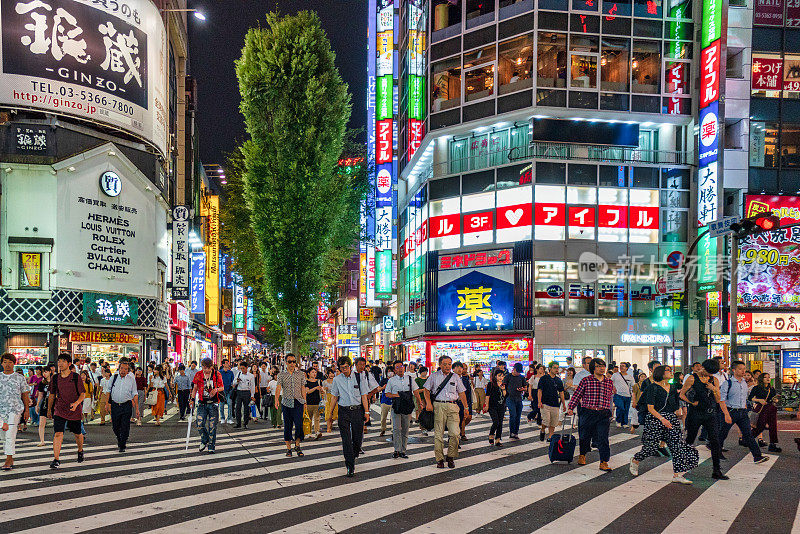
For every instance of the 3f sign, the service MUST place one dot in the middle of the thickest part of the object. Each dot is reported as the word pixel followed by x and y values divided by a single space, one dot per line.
pixel 479 222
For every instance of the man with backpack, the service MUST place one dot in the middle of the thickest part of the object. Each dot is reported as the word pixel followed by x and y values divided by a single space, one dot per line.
pixel 733 402
pixel 207 386
pixel 401 388
pixel 121 400
pixel 442 390
pixel 64 407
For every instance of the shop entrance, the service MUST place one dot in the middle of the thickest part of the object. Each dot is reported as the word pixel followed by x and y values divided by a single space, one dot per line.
pixel 640 356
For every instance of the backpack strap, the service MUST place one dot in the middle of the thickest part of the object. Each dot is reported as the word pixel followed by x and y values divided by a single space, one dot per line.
pixel 112 385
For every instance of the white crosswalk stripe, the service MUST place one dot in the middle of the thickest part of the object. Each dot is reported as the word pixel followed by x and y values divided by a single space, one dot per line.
pixel 250 484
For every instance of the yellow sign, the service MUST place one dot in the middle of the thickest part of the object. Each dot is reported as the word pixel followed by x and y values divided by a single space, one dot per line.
pixel 209 208
pixel 31 269
pixel 474 303
pixel 366 314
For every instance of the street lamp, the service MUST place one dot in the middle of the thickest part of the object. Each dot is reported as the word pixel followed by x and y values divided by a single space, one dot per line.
pixel 197 13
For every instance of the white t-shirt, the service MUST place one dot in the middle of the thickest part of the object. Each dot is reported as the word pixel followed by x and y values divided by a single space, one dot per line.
pixel 272 386
pixel 105 383
pixel 481 382
pixel 158 382
pixel 623 384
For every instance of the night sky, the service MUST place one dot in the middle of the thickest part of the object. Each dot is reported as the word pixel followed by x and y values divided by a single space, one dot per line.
pixel 216 43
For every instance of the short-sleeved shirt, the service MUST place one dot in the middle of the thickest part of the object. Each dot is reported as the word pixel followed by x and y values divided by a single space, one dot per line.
pixel 512 384
pixel 291 387
pixel 67 391
pixel 205 385
pixel 623 384
pixel 450 392
pixel 662 401
pixel 734 393
pixel 349 389
pixel 396 384
pixel 551 387
pixel 183 382
pixel 272 386
pixel 12 386
pixel 121 388
pixel 368 379
pixel 105 383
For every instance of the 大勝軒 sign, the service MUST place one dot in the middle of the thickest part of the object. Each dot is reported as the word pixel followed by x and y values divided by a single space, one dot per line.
pixel 99 61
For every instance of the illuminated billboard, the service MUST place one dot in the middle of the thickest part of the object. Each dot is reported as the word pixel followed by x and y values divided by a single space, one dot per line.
pixel 479 300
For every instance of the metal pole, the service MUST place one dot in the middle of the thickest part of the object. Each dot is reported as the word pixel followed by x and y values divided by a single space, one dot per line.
pixel 684 303
pixel 734 293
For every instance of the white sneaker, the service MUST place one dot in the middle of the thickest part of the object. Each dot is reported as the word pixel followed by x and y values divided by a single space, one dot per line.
pixel 619 425
pixel 634 468
pixel 679 479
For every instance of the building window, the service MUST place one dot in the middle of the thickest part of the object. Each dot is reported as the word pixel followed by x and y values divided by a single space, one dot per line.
pixel 446 13
pixel 580 295
pixel 30 270
pixel 479 70
pixel 551 60
pixel 611 293
pixel 549 287
pixel 614 61
pixel 515 58
pixel 446 88
pixel 790 145
pixel 646 67
pixel 763 144
pixel 459 157
pixel 479 12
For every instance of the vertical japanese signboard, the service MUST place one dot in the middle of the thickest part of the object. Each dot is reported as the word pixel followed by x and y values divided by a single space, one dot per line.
pixel 417 11
pixel 198 299
pixel 210 210
pixel 384 146
pixel 238 307
pixel 180 253
pixel 708 179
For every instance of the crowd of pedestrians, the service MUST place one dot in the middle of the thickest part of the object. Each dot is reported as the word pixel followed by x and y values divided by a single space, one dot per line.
pixel 310 399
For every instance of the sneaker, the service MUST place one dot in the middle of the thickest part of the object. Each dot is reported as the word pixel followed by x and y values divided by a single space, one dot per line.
pixel 211 451
pixel 514 436
pixel 634 468
pixel 761 459
pixel 581 459
pixel 425 433
pixel 762 443
pixel 203 447
pixel 54 464
pixel 80 456
pixel 680 479
pixel 773 447
pixel 604 466
pixel 395 455
pixel 619 425
pixel 464 437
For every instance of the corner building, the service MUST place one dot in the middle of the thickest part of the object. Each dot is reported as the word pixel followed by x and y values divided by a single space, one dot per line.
pixel 537 139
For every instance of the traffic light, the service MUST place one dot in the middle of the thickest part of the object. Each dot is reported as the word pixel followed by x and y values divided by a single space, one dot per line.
pixel 662 318
pixel 763 222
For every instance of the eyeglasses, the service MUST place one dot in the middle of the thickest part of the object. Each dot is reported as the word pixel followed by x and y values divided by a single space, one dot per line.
pixel 291 361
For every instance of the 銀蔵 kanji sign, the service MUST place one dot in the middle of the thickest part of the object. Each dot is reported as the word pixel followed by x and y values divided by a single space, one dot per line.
pixel 101 308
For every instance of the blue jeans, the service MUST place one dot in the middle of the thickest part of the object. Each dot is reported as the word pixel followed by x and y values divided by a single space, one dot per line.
pixel 740 418
pixel 227 402
pixel 293 417
pixel 207 419
pixel 34 415
pixel 514 414
pixel 623 404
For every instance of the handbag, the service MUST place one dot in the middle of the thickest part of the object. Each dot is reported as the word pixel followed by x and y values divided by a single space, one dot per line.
pixel 152 398
pixel 306 424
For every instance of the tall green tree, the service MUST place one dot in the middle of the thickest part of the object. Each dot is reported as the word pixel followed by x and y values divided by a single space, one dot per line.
pixel 296 108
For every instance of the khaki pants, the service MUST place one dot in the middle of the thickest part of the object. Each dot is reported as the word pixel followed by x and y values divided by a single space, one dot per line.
pixel 386 409
pixel 480 398
pixel 101 404
pixel 445 414
pixel 313 414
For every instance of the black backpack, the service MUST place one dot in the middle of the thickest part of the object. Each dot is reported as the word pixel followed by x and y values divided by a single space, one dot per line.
pixel 404 404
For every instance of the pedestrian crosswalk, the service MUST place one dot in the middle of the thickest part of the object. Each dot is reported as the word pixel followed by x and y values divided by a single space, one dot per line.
pixel 250 485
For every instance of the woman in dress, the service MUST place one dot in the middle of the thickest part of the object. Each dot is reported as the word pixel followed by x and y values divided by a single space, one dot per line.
pixel 88 402
pixel 141 388
pixel 495 404
pixel 763 397
pixel 331 410
pixel 662 424
pixel 157 383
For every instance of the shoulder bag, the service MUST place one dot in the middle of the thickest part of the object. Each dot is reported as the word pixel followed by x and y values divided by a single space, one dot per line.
pixel 404 404
pixel 426 416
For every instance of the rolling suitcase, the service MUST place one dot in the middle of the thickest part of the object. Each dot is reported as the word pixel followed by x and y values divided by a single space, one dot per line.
pixel 562 445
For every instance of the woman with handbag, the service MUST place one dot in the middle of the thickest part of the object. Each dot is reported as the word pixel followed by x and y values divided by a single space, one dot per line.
pixel 763 396
pixel 662 424
pixel 88 401
pixel 141 387
pixel 331 408
pixel 479 382
pixel 313 396
pixel 495 404
pixel 156 397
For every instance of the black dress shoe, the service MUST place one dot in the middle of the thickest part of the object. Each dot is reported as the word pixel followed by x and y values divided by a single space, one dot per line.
pixel 762 443
pixel 773 447
pixel 403 455
pixel 450 462
pixel 719 476
pixel 439 464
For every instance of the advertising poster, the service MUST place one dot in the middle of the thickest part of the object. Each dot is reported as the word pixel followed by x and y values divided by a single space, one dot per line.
pixel 198 296
pixel 210 210
pixel 102 61
pixel 480 299
pixel 101 308
pixel 769 263
pixel 768 12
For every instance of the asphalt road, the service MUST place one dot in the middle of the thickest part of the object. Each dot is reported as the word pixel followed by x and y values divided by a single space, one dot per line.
pixel 249 485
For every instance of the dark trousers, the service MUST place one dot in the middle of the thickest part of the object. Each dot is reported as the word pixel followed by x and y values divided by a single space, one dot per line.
pixel 497 413
pixel 262 407
pixel 768 417
pixel 740 418
pixel 121 421
pixel 514 415
pixel 293 417
pixel 351 428
pixel 242 405
pixel 593 425
pixel 696 419
pixel 183 401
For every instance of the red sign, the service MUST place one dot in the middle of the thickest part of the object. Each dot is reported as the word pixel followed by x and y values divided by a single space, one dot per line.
pixel 383 142
pixel 415 133
pixel 476 259
pixel 767 73
pixel 582 217
pixel 613 217
pixel 445 225
pixel 514 216
pixel 709 73
pixel 549 214
pixel 478 222
pixel 768 12
pixel 643 218
pixel 787 208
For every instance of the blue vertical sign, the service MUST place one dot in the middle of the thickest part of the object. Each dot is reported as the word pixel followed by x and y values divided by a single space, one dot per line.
pixel 198 288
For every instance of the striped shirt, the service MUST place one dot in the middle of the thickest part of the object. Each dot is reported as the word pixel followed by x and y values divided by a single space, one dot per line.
pixel 291 387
